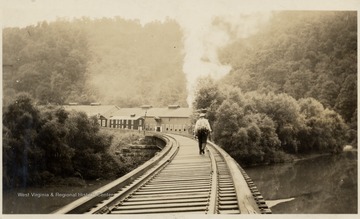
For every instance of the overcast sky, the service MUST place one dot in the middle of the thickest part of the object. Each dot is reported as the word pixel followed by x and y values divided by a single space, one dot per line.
pixel 26 12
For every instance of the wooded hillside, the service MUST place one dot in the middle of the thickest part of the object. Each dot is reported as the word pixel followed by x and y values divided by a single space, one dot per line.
pixel 302 54
pixel 112 61
pixel 48 61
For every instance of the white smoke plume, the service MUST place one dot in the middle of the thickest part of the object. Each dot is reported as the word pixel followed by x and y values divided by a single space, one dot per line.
pixel 203 37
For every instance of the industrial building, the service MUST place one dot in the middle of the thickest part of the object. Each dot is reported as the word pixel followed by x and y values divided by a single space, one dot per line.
pixel 167 119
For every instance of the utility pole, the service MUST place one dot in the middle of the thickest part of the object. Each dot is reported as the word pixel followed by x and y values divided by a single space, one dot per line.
pixel 144 121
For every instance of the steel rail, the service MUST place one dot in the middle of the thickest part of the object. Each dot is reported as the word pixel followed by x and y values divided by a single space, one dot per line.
pixel 178 180
pixel 184 186
pixel 86 203
pixel 249 199
pixel 214 185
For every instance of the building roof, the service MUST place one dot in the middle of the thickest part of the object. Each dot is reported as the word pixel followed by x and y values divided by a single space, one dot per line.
pixel 115 112
pixel 155 112
pixel 178 112
pixel 126 117
pixel 92 110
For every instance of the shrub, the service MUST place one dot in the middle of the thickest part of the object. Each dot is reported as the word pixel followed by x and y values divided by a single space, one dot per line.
pixel 40 146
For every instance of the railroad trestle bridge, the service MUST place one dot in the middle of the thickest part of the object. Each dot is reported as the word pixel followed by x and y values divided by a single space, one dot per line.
pixel 177 180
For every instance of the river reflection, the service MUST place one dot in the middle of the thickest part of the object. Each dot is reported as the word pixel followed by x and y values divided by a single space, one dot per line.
pixel 326 184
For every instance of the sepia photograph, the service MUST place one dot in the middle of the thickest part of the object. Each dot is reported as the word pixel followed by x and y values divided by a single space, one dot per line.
pixel 179 108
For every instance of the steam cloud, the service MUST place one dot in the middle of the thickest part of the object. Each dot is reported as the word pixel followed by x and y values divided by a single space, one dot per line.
pixel 203 37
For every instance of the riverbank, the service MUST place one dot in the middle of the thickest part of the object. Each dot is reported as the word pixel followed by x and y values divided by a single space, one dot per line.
pixel 316 155
pixel 309 156
pixel 290 158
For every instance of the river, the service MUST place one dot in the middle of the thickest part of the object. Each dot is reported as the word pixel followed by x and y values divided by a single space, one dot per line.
pixel 321 185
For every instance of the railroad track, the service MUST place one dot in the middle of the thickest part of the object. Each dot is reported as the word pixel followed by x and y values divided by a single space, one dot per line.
pixel 178 180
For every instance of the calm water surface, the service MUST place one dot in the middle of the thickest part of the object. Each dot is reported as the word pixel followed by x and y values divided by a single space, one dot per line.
pixel 323 185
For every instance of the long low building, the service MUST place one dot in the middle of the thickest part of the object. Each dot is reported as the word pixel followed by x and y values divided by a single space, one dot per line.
pixel 167 119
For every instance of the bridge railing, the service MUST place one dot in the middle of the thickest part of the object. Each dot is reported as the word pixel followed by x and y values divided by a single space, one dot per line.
pixel 247 201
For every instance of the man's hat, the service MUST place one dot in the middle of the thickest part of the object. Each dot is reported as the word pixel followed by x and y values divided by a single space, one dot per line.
pixel 202 115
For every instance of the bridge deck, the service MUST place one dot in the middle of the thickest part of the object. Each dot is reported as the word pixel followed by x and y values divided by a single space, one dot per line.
pixel 183 186
pixel 178 180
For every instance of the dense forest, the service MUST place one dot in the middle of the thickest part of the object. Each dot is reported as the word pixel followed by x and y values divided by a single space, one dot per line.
pixel 48 61
pixel 42 145
pixel 259 128
pixel 292 89
pixel 112 61
pixel 302 54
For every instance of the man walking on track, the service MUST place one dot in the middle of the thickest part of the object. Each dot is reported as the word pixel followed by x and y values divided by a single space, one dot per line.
pixel 202 130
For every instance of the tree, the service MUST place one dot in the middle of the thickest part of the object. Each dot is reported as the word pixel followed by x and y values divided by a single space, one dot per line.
pixel 346 102
pixel 325 129
pixel 40 144
pixel 21 115
pixel 299 83
pixel 208 97
pixel 227 123
pixel 21 121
